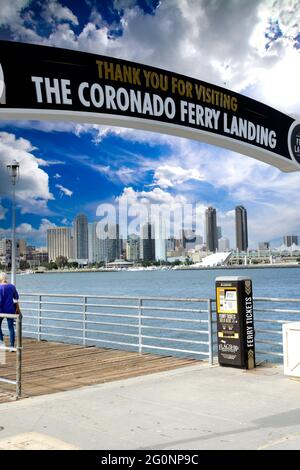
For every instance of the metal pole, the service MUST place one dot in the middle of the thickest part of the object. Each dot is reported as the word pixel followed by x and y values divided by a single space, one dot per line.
pixel 84 322
pixel 14 174
pixel 40 318
pixel 140 325
pixel 13 241
pixel 19 358
pixel 210 332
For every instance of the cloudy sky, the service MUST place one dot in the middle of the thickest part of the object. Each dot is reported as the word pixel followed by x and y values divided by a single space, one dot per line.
pixel 252 47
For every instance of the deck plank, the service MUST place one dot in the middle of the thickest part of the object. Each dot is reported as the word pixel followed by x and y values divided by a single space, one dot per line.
pixel 50 367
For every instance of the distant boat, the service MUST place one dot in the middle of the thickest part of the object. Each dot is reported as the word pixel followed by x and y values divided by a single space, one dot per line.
pixel 28 271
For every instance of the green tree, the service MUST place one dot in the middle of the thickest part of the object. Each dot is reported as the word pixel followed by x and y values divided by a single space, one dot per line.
pixel 61 261
pixel 24 265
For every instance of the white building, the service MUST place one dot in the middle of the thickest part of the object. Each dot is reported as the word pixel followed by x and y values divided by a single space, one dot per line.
pixel 59 243
pixel 223 244
pixel 160 232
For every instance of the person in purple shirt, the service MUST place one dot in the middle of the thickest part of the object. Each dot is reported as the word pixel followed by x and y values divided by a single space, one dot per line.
pixel 8 296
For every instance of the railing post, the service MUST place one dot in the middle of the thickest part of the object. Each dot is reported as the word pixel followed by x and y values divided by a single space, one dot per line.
pixel 84 321
pixel 210 332
pixel 140 326
pixel 19 358
pixel 39 318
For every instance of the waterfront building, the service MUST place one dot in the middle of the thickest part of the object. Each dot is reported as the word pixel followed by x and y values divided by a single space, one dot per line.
pixel 198 242
pixel 223 244
pixel 22 246
pixel 289 240
pixel 92 243
pixel 241 228
pixel 192 240
pixel 58 243
pixel 81 237
pixel 133 248
pixel 108 246
pixel 147 242
pixel 211 229
pixel 6 251
pixel 171 244
pixel 36 257
pixel 262 246
pixel 160 239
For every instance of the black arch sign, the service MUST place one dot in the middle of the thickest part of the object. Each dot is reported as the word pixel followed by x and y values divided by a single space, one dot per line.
pixel 38 82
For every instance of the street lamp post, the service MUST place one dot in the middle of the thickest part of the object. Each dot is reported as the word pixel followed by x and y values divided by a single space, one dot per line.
pixel 13 170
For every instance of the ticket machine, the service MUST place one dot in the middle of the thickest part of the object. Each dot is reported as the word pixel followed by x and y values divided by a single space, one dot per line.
pixel 235 323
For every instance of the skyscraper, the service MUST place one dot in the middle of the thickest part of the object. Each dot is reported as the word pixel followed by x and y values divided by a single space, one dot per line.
pixel 224 244
pixel 289 240
pixel 160 239
pixel 147 242
pixel 108 243
pixel 133 248
pixel 211 229
pixel 59 242
pixel 241 228
pixel 81 237
pixel 92 243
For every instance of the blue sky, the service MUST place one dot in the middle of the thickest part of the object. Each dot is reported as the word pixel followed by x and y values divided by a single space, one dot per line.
pixel 251 47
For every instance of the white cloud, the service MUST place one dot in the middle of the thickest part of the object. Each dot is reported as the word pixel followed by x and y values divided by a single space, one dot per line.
pixel 155 196
pixel 10 11
pixel 33 185
pixel 167 176
pixel 64 191
pixel 57 176
pixel 54 11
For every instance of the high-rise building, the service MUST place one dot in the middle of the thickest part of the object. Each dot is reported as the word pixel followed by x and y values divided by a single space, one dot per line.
pixel 160 231
pixel 219 232
pixel 81 237
pixel 224 244
pixel 241 228
pixel 22 246
pixel 211 229
pixel 133 248
pixel 263 246
pixel 58 243
pixel 289 240
pixel 147 242
pixel 192 240
pixel 6 252
pixel 171 244
pixel 108 243
pixel 92 243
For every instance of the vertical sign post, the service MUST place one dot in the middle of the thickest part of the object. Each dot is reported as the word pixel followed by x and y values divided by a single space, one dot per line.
pixel 235 323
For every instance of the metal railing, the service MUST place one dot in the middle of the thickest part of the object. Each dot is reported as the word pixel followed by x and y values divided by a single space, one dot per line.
pixel 162 325
pixel 18 381
pixel 181 326
pixel 270 313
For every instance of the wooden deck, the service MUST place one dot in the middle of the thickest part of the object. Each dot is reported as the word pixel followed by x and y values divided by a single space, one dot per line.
pixel 50 367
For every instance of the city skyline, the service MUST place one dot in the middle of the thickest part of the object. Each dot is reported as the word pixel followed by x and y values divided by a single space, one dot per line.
pixel 67 168
pixel 106 246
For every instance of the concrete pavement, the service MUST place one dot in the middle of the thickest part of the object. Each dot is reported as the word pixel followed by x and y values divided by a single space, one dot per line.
pixel 196 407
